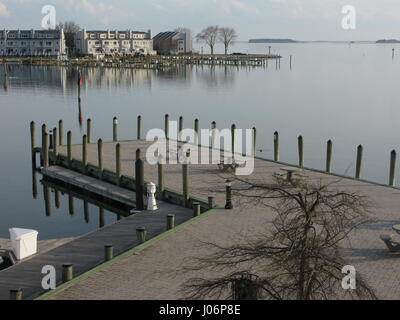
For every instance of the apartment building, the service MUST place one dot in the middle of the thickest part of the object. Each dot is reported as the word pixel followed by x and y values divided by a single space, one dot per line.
pixel 173 42
pixel 106 42
pixel 32 43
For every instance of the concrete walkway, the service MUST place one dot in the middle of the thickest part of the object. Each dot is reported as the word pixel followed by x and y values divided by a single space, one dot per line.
pixel 155 272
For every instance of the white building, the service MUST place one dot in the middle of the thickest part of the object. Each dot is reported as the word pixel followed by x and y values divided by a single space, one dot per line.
pixel 32 43
pixel 100 43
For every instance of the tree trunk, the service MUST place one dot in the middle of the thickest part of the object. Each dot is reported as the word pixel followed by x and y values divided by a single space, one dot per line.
pixel 212 50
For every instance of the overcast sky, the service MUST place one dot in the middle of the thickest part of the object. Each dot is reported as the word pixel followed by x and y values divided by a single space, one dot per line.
pixel 296 19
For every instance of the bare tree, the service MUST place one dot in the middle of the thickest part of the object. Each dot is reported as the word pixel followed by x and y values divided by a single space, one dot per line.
pixel 70 29
pixel 227 36
pixel 209 36
pixel 299 258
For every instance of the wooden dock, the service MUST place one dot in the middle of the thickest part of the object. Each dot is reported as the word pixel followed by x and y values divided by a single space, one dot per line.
pixel 87 252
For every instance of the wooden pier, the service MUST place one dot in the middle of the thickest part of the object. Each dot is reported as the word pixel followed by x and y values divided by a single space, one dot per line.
pixel 108 170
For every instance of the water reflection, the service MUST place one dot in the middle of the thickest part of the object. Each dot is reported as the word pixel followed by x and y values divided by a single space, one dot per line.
pixel 105 208
pixel 65 80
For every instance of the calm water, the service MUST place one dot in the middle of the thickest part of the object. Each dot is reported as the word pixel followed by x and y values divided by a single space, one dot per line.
pixel 334 91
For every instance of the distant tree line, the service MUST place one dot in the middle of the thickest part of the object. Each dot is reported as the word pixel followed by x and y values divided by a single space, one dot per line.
pixel 215 34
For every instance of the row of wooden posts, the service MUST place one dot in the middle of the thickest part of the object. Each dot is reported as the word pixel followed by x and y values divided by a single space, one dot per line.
pixel 57 136
pixel 67 268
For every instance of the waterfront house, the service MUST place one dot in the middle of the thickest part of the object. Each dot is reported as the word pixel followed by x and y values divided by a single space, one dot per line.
pixel 32 43
pixel 105 42
pixel 173 42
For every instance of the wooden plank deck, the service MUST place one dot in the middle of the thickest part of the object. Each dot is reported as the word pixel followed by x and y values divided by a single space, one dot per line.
pixel 87 251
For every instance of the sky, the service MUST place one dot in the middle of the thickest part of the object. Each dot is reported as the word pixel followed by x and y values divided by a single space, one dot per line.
pixel 295 19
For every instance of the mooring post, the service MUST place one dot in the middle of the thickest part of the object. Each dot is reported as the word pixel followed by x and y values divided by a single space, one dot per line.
pixel 108 252
pixel 301 151
pixel 359 161
pixel 89 131
pixel 86 213
pixel 16 294
pixel 161 176
pixel 33 138
pixel 211 202
pixel 139 179
pixel 69 148
pixel 139 127
pixel 55 143
pixel 84 153
pixel 45 151
pixel 213 129
pixel 185 183
pixel 60 132
pixel 100 156
pixel 254 147
pixel 393 156
pixel 170 221
pixel 233 132
pixel 196 130
pixel 141 234
pixel 329 156
pixel 118 163
pixel 115 129
pixel 44 129
pixel 276 146
pixel 67 272
pixel 196 209
pixel 166 124
pixel 180 128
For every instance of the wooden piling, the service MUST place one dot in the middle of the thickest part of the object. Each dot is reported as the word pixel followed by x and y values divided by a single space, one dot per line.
pixel 276 146
pixel 100 156
pixel 166 126
pixel 197 131
pixel 139 180
pixel 392 173
pixel 115 129
pixel 139 127
pixel 211 202
pixel 161 176
pixel 55 142
pixel 47 200
pixel 213 128
pixel 44 130
pixel 301 151
pixel 60 132
pixel 89 131
pixel 196 209
pixel 185 183
pixel 57 199
pixel 108 252
pixel 118 163
pixel 67 272
pixel 16 294
pixel 254 146
pixel 170 221
pixel 84 152
pixel 359 161
pixel 32 128
pixel 45 151
pixel 141 234
pixel 329 156
pixel 233 132
pixel 180 128
pixel 69 148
